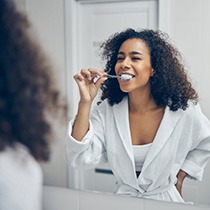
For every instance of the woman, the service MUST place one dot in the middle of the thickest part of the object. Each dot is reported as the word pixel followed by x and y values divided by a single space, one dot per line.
pixel 149 126
pixel 27 96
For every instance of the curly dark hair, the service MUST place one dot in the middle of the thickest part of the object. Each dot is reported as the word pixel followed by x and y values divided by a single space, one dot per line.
pixel 27 90
pixel 170 85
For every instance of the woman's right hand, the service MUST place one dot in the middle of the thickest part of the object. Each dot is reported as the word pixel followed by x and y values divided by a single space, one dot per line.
pixel 88 88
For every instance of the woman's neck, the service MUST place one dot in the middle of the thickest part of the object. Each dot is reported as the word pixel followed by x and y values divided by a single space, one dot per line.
pixel 141 102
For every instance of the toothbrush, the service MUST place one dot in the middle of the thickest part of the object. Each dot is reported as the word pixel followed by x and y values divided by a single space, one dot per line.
pixel 110 76
pixel 123 77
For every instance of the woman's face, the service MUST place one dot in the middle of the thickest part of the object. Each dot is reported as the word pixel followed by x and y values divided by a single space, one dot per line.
pixel 134 59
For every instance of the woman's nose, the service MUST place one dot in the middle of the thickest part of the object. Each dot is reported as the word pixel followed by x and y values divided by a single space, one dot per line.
pixel 125 64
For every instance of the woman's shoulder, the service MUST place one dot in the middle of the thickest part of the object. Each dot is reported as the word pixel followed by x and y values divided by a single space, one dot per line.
pixel 194 111
pixel 21 175
pixel 105 106
pixel 18 156
pixel 193 108
pixel 192 105
pixel 101 106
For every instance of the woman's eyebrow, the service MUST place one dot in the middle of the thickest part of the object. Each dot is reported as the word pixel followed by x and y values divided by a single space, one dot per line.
pixel 136 52
pixel 131 53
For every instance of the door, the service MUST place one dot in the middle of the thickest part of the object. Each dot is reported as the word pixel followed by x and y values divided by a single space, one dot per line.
pixel 95 23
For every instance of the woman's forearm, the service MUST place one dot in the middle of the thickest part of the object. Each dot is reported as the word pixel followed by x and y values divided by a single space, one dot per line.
pixel 88 89
pixel 180 179
pixel 81 123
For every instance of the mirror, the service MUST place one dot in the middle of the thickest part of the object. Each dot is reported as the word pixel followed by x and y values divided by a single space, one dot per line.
pixel 61 28
pixel 95 15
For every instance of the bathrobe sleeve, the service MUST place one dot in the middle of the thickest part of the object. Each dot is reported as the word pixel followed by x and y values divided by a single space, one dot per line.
pixel 91 151
pixel 199 154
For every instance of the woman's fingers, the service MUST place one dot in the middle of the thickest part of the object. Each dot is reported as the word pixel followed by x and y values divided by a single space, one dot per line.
pixel 99 81
pixel 96 72
pixel 88 87
pixel 78 77
pixel 88 74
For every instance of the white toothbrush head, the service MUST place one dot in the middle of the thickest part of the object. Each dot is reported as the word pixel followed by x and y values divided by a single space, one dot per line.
pixel 125 77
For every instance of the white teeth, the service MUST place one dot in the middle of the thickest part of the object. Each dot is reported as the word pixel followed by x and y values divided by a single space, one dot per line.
pixel 125 77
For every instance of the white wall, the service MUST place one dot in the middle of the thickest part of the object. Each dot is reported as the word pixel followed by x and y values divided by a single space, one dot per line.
pixel 190 31
pixel 47 18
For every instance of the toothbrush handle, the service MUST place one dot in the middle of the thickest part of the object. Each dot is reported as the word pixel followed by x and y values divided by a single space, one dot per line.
pixel 110 76
pixel 96 77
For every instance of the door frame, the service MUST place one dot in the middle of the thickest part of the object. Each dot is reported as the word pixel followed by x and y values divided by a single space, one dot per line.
pixel 71 55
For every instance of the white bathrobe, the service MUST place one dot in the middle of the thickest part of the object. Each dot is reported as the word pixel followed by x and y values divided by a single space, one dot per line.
pixel 21 179
pixel 181 142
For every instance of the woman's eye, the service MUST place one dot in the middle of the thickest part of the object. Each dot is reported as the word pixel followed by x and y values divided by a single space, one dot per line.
pixel 119 58
pixel 136 58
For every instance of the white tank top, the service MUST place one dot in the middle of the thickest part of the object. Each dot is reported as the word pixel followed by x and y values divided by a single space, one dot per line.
pixel 140 153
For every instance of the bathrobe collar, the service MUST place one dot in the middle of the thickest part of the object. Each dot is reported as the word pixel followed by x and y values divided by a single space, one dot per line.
pixel 121 117
pixel 169 121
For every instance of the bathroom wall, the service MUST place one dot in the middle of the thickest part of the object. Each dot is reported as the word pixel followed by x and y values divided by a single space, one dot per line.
pixel 190 31
pixel 47 18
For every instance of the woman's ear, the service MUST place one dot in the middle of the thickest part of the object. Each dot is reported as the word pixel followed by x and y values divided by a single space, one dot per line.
pixel 152 73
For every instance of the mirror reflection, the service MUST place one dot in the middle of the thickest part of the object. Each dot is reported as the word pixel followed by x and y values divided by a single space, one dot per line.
pixel 81 28
pixel 101 175
pixel 148 125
